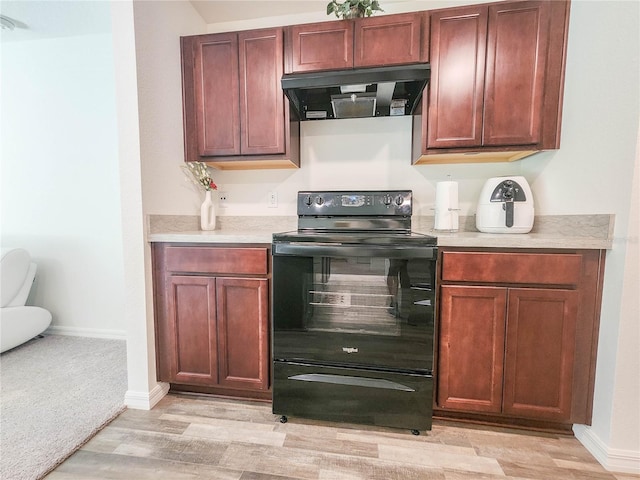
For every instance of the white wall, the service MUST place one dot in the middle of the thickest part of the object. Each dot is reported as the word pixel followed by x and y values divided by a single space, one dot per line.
pixel 146 36
pixel 593 173
pixel 625 406
pixel 159 26
pixel 60 184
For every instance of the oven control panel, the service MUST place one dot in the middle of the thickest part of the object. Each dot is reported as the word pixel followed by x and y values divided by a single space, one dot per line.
pixel 356 203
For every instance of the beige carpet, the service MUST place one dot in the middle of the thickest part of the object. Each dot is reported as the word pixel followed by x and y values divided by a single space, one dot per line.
pixel 56 392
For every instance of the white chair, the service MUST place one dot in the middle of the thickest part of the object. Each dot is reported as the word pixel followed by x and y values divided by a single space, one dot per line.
pixel 18 322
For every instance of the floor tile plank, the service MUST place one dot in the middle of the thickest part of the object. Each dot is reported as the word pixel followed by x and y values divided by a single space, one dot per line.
pixel 189 437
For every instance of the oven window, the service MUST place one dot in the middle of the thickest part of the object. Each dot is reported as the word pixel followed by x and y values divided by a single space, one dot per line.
pixel 358 295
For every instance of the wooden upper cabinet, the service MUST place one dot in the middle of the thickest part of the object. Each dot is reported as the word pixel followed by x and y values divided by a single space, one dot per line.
pixel 497 77
pixel 458 45
pixel 216 94
pixel 363 42
pixel 235 113
pixel 261 99
pixel 487 86
pixel 320 46
pixel 517 42
pixel 390 40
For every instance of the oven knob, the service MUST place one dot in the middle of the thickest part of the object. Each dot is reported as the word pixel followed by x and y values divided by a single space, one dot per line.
pixel 399 200
pixel 319 201
pixel 308 200
pixel 387 200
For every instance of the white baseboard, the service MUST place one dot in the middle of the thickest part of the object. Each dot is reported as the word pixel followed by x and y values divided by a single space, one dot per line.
pixel 613 459
pixel 146 400
pixel 86 332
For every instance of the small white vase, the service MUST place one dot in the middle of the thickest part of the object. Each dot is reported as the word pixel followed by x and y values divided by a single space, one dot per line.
pixel 208 213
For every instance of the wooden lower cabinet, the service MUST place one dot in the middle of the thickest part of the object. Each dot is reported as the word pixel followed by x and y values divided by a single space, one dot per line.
pixel 243 337
pixel 212 329
pixel 192 331
pixel 471 353
pixel 520 354
pixel 539 351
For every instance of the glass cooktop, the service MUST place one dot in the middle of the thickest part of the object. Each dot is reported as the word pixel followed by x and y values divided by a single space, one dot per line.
pixel 357 238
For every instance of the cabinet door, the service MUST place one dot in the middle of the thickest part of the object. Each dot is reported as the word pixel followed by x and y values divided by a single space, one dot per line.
pixel 216 94
pixel 517 41
pixel 389 40
pixel 192 330
pixel 471 348
pixel 243 314
pixel 541 333
pixel 320 46
pixel 261 98
pixel 458 46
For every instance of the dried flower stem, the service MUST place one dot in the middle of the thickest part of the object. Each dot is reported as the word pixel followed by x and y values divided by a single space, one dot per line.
pixel 198 173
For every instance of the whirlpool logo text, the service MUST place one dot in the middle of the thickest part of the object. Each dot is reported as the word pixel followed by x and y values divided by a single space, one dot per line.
pixel 350 349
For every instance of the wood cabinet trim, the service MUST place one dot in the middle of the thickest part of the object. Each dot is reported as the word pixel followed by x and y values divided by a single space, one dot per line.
pixel 217 260
pixel 512 268
pixel 555 74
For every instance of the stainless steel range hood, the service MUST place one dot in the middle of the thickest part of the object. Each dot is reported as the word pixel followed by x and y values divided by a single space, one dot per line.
pixel 365 92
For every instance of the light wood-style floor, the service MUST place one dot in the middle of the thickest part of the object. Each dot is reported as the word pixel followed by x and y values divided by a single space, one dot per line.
pixel 189 437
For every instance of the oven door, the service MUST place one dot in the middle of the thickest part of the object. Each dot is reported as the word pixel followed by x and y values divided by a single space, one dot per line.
pixel 354 305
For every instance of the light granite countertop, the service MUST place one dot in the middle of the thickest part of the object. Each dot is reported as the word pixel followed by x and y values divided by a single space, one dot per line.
pixel 550 231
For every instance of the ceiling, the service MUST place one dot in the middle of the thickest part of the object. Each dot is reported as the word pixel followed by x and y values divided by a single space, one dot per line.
pixel 235 10
pixel 39 19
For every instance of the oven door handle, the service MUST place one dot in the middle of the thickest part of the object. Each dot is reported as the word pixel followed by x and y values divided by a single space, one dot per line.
pixel 341 250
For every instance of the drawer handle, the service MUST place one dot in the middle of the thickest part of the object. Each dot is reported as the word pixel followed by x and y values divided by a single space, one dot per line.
pixel 355 381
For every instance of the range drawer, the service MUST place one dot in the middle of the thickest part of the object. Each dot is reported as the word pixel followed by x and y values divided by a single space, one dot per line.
pixel 353 395
pixel 530 268
pixel 235 261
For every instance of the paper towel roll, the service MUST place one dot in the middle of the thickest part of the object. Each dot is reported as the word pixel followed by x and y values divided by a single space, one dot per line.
pixel 446 217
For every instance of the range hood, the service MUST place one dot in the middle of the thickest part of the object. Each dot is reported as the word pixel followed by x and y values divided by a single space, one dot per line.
pixel 365 92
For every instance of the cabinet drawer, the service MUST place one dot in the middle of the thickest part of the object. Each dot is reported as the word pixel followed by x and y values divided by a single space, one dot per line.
pixel 536 268
pixel 235 261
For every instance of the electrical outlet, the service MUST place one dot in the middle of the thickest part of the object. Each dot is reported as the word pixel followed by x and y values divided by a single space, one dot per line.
pixel 272 202
pixel 223 197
